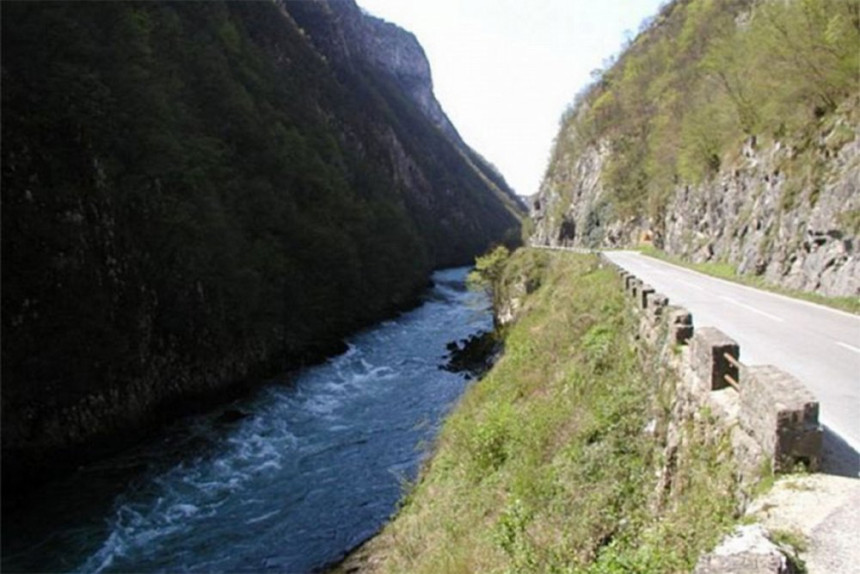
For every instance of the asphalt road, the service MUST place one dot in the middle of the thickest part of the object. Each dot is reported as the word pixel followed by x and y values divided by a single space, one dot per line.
pixel 818 345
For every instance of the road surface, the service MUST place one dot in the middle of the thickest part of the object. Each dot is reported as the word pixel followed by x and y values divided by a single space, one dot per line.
pixel 818 345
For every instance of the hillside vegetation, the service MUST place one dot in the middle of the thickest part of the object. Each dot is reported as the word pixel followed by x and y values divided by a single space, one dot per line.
pixel 701 78
pixel 195 196
pixel 545 464
pixel 728 132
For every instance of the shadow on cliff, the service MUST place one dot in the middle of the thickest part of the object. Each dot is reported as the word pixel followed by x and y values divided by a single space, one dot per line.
pixel 838 457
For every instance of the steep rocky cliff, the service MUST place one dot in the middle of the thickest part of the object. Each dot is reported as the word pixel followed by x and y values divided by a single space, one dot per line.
pixel 766 219
pixel 364 48
pixel 197 195
pixel 719 138
pixel 344 33
pixel 760 212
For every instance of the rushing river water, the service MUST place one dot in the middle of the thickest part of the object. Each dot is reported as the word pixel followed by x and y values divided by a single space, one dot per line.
pixel 316 467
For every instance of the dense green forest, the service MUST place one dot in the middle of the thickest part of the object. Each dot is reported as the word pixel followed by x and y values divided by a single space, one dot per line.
pixel 701 78
pixel 194 196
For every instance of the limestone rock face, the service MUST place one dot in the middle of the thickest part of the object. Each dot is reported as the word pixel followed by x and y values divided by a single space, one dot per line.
pixel 391 59
pixel 354 38
pixel 746 551
pixel 579 186
pixel 398 53
pixel 761 212
pixel 762 217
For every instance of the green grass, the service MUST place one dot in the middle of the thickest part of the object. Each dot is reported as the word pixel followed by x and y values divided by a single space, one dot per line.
pixel 723 270
pixel 544 466
pixel 791 538
pixel 793 543
pixel 850 220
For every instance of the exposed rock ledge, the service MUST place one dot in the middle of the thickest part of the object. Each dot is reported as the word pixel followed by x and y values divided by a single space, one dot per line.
pixel 749 550
pixel 788 214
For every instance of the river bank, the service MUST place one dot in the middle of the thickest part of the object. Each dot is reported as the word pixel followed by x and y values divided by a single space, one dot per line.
pixel 97 426
pixel 287 479
pixel 553 461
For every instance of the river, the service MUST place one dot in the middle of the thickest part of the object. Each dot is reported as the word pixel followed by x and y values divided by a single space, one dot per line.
pixel 316 467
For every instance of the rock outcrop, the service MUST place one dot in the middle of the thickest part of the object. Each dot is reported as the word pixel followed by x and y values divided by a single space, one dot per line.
pixel 717 141
pixel 748 550
pixel 760 213
pixel 396 52
pixel 357 44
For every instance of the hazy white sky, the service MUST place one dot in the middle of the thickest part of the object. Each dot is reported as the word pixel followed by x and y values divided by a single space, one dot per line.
pixel 504 70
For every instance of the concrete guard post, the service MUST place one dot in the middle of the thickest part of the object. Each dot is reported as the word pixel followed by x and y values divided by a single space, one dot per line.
pixel 635 288
pixel 782 415
pixel 642 299
pixel 680 325
pixel 708 352
pixel 655 303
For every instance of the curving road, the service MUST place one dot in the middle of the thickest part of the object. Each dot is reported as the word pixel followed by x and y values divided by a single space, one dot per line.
pixel 818 345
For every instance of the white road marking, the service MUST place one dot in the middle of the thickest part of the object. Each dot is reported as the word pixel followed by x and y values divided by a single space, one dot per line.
pixel 751 308
pixel 691 285
pixel 847 346
pixel 785 298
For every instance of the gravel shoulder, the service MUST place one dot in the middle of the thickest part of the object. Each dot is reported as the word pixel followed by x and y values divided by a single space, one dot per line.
pixel 825 510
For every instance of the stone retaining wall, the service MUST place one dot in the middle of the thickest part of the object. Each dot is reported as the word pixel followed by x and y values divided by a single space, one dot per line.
pixel 771 418
pixel 774 417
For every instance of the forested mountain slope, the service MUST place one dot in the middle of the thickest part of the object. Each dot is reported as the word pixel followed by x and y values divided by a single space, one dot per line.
pixel 197 194
pixel 727 131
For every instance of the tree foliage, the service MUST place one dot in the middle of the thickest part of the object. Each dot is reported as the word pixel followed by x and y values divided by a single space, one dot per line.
pixel 703 76
pixel 192 193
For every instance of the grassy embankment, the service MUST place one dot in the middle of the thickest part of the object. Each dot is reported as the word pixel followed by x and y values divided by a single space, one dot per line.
pixel 729 272
pixel 545 465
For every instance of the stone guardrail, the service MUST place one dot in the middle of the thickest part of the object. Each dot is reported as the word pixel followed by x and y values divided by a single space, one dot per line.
pixel 775 409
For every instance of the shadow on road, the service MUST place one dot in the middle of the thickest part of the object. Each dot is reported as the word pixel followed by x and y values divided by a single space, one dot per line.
pixel 838 457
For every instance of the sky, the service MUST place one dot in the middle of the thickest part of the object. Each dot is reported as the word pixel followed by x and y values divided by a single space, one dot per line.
pixel 505 70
